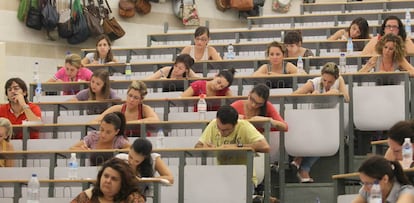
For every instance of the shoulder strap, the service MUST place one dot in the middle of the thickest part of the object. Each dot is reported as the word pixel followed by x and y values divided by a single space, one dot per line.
pixel 140 112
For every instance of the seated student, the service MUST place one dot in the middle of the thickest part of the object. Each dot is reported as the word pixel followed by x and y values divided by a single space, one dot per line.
pixel 257 106
pixel 6 131
pixel 219 86
pixel 396 135
pixel 115 182
pixel 180 70
pixel 391 56
pixel 359 29
pixel 134 109
pixel 200 50
pixel 103 53
pixel 293 43
pixel 146 163
pixel 110 136
pixel 330 82
pixel 392 24
pixel 99 89
pixel 19 108
pixel 395 186
pixel 73 71
pixel 276 52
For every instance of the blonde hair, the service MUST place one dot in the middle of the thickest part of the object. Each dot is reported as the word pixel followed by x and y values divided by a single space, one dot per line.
pixel 399 51
pixel 139 86
pixel 331 68
pixel 4 122
pixel 74 60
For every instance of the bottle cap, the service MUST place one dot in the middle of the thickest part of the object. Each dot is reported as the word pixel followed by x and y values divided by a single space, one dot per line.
pixel 34 175
pixel 299 57
pixel 407 139
pixel 202 96
pixel 73 154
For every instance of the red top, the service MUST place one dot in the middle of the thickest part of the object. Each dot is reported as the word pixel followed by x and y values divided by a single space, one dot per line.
pixel 7 112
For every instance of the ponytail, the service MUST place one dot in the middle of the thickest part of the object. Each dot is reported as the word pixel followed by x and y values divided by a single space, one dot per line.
pixel 399 173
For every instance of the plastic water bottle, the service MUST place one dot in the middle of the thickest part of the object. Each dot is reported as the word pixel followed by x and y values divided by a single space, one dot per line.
pixel 36 76
pixel 342 62
pixel 408 22
pixel 33 190
pixel 349 46
pixel 160 138
pixel 38 91
pixel 202 107
pixel 128 71
pixel 375 195
pixel 73 167
pixel 407 153
pixel 300 65
pixel 230 52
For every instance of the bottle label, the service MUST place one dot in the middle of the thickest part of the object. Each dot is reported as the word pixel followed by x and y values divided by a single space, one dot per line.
pixel 128 72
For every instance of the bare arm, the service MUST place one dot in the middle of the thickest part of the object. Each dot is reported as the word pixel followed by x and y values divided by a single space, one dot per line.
pixel 338 35
pixel 149 113
pixel 407 66
pixel 85 61
pixel 186 50
pixel 369 48
pixel 192 74
pixel 202 145
pixel 163 170
pixel 111 109
pixel 405 197
pixel 261 71
pixel 409 46
pixel 343 89
pixel 259 146
pixel 81 145
pixel 305 89
pixel 292 69
pixel 389 155
pixel 9 162
pixel 213 54
pixel 161 73
pixel 229 93
pixel 52 79
pixel 189 92
pixel 19 98
pixel 369 65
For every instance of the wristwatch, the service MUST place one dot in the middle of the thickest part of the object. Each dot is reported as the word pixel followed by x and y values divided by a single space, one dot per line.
pixel 239 144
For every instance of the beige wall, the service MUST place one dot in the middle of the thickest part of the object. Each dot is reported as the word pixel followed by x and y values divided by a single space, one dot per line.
pixel 24 46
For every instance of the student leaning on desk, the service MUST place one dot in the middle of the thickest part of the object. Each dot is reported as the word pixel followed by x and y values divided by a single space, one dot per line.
pixel 395 186
pixel 6 131
pixel 396 135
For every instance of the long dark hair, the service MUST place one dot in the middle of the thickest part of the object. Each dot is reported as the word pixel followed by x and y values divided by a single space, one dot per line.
pixel 109 56
pixel 401 30
pixel 262 91
pixel 401 130
pixel 129 183
pixel 143 147
pixel 117 119
pixel 377 166
pixel 228 74
pixel 363 26
pixel 106 88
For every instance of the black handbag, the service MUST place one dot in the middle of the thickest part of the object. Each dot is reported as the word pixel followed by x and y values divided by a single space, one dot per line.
pixel 34 17
pixel 79 25
pixel 50 16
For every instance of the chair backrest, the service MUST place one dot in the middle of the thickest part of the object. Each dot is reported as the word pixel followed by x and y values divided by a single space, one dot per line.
pixel 89 172
pixel 155 95
pixel 312 132
pixel 188 116
pixel 378 107
pixel 48 199
pixel 23 173
pixel 221 181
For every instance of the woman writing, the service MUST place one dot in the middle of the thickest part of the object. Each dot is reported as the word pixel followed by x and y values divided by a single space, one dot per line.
pixel 99 89
pixel 146 163
pixel 110 136
pixel 115 182
pixel 180 70
pixel 200 51
pixel 391 56
pixel 102 54
pixel 395 186
pixel 257 106
pixel 293 42
pixel 133 108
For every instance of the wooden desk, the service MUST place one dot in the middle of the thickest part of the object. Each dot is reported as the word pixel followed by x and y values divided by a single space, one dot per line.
pixel 181 153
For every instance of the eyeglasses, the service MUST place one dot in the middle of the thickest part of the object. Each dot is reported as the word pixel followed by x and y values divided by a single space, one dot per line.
pixel 255 102
pixel 366 184
pixel 391 27
pixel 201 39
